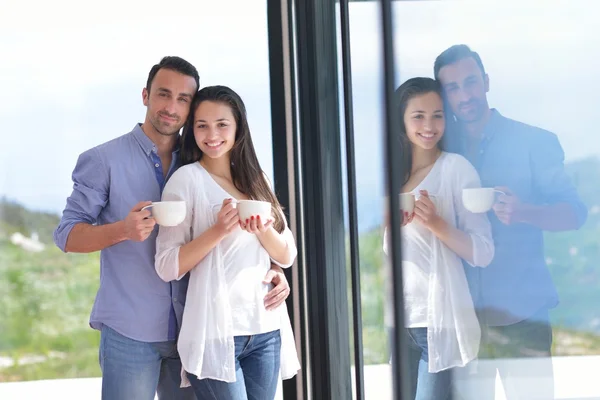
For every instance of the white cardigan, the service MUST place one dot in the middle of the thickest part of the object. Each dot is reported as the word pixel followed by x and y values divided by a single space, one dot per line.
pixel 453 329
pixel 206 343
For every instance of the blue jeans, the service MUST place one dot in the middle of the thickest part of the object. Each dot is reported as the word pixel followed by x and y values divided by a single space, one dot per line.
pixel 526 339
pixel 139 370
pixel 257 371
pixel 424 384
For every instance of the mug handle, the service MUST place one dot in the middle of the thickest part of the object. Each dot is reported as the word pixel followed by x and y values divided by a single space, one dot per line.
pixel 145 208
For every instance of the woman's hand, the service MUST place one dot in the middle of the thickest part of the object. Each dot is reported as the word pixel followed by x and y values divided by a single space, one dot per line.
pixel 406 217
pixel 227 218
pixel 426 213
pixel 255 225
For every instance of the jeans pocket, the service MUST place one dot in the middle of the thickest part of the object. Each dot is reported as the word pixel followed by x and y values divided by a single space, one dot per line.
pixel 414 334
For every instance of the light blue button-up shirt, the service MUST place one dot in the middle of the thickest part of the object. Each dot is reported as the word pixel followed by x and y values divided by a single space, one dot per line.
pixel 109 180
pixel 530 162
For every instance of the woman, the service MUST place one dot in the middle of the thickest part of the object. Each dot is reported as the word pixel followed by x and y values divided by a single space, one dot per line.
pixel 230 345
pixel 440 320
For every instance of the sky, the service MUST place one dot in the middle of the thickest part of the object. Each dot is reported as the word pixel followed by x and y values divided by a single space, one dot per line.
pixel 74 80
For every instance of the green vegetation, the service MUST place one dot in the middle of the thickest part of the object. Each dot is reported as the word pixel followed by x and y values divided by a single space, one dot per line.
pixel 45 303
pixel 46 297
pixel 572 260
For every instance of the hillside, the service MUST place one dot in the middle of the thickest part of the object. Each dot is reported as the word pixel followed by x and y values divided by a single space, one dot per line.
pixel 16 218
pixel 44 308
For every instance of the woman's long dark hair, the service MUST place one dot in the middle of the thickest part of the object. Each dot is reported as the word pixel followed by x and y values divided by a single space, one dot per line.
pixel 247 175
pixel 407 91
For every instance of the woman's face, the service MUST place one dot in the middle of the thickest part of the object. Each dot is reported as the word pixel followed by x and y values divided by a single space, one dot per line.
pixel 214 128
pixel 424 120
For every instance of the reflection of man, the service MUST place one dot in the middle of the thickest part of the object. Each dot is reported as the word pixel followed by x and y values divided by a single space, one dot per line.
pixel 515 292
pixel 137 313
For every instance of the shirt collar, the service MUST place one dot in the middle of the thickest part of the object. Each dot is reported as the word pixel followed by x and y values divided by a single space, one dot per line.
pixel 148 145
pixel 492 125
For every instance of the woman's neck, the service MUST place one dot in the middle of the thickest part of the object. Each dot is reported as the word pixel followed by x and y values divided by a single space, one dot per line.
pixel 220 167
pixel 423 158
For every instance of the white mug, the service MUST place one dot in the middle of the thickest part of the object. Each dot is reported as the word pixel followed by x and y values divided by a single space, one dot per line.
pixel 168 213
pixel 479 200
pixel 249 208
pixel 407 202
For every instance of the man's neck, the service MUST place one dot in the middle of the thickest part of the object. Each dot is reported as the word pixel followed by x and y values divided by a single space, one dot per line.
pixel 164 143
pixel 474 130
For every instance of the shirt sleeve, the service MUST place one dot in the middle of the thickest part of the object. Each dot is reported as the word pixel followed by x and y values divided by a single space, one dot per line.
pixel 290 243
pixel 287 234
pixel 477 226
pixel 89 196
pixel 551 183
pixel 171 238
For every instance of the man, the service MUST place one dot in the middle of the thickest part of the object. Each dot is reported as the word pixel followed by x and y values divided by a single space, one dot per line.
pixel 514 293
pixel 138 314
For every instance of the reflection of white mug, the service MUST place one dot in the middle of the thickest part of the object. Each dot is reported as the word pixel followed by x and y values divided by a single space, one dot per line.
pixel 249 208
pixel 479 200
pixel 168 213
pixel 407 202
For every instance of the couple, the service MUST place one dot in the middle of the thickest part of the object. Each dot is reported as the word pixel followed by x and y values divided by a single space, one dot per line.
pixel 454 314
pixel 234 326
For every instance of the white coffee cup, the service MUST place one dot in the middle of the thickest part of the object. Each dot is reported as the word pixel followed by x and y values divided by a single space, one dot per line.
pixel 479 200
pixel 407 202
pixel 248 208
pixel 168 213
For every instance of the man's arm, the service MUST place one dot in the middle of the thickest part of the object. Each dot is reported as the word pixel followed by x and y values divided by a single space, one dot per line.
pixel 553 218
pixel 559 207
pixel 86 238
pixel 281 287
pixel 77 231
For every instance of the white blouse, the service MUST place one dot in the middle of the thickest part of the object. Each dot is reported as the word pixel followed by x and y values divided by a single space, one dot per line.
pixel 225 293
pixel 436 293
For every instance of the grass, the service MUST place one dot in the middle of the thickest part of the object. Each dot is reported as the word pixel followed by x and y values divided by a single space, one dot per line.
pixel 47 297
pixel 44 311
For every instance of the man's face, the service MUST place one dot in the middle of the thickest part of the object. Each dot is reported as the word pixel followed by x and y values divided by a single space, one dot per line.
pixel 168 101
pixel 465 87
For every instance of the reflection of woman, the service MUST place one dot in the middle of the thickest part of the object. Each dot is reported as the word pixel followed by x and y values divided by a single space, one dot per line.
pixel 441 325
pixel 230 345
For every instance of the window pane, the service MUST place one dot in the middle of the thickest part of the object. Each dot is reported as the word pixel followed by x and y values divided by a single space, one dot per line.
pixel 525 129
pixel 73 79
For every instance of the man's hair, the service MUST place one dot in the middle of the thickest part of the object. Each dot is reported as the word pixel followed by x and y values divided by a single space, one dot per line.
pixel 454 54
pixel 177 64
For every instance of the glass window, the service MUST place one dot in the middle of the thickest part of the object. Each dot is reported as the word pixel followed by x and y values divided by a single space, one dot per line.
pixel 73 78
pixel 521 120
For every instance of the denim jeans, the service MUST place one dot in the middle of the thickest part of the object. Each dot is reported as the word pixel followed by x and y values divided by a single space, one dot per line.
pixel 139 370
pixel 424 384
pixel 257 371
pixel 531 338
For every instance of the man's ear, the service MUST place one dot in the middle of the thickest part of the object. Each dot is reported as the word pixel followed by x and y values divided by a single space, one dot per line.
pixel 145 95
pixel 486 82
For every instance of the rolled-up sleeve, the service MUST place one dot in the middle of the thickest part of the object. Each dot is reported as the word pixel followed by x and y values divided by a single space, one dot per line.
pixel 290 243
pixel 477 226
pixel 171 238
pixel 89 196
pixel 551 182
pixel 288 236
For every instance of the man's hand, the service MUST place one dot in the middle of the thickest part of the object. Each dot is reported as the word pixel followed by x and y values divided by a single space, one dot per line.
pixel 281 289
pixel 139 224
pixel 509 208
